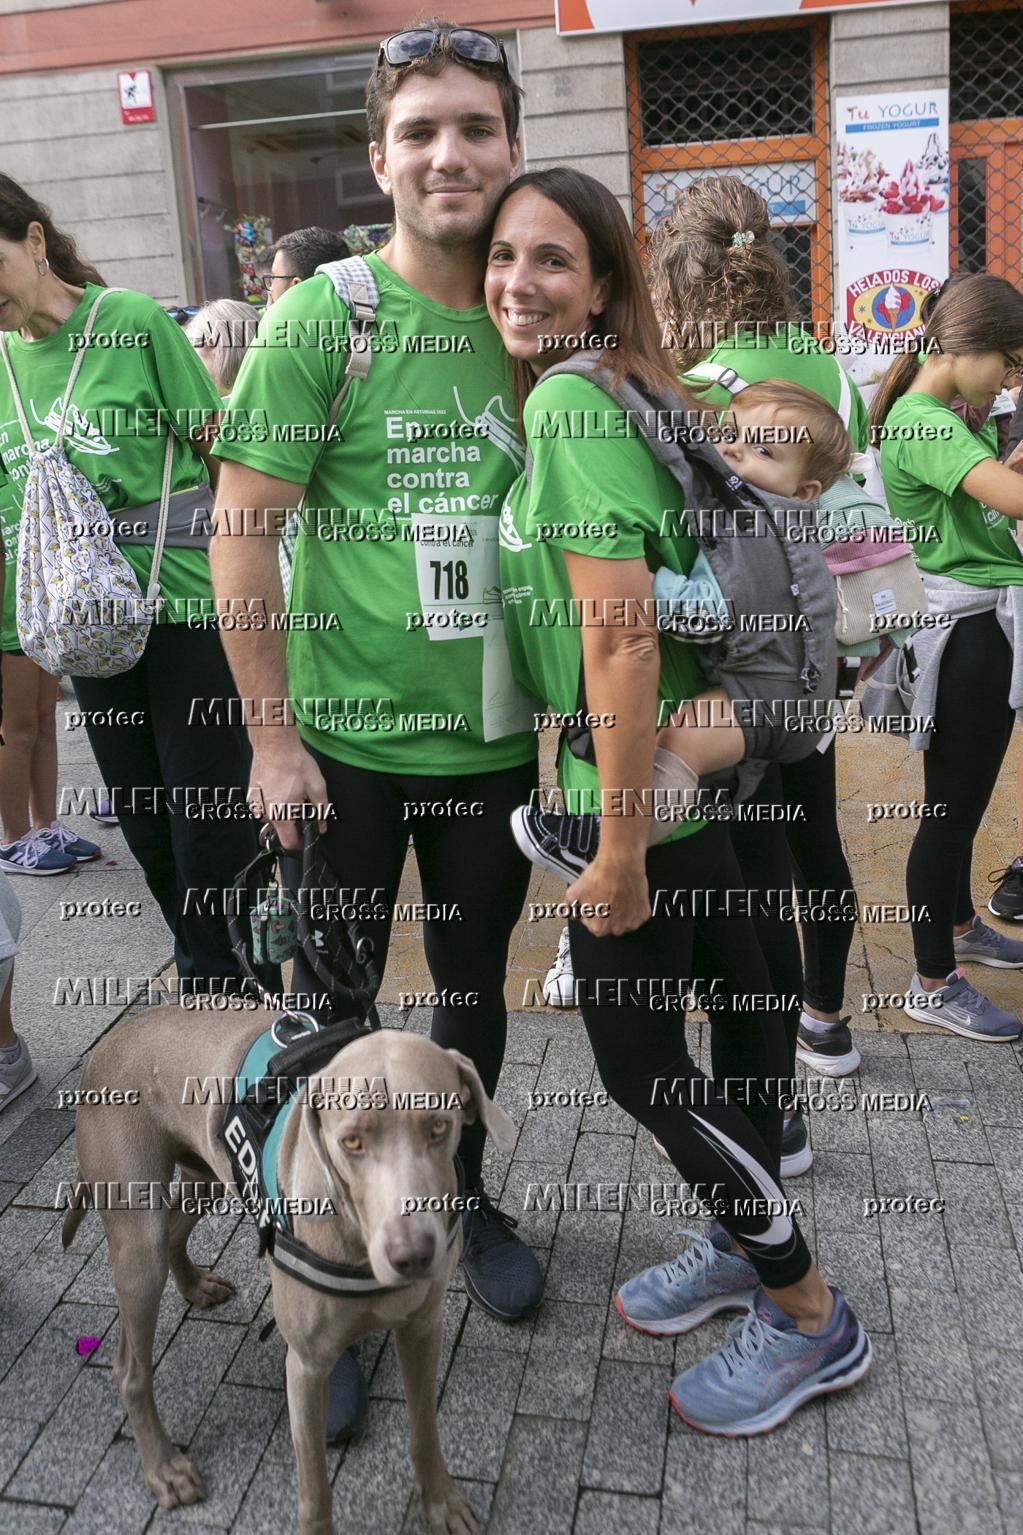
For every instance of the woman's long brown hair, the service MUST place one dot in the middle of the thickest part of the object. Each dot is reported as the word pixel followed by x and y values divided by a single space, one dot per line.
pixel 629 315
pixel 971 312
pixel 18 209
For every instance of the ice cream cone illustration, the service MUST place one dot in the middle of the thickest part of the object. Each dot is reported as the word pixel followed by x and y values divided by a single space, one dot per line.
pixel 892 306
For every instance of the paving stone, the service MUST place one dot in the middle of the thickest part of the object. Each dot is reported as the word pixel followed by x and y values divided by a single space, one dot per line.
pixel 998 1373
pixel 375 1484
pixel 484 1331
pixel 991 1286
pixel 838 1129
pixel 172 1314
pixel 601 1512
pixel 548 1138
pixel 704 1484
pixel 841 1182
pixel 869 1420
pixel 16 1437
pixel 237 1260
pixel 561 1371
pixel 117 1500
pixel 852 1260
pixel 42 1190
pixel 75 1438
pixel 784 1479
pixel 7 1193
pixel 20 1232
pixel 628 1424
pixel 872 1497
pixel 37 1138
pixel 957 1135
pixel 601 1160
pixel 930 1341
pixel 913 1247
pixel 951 1474
pixel 46 1370
pixel 31 1518
pixel 974 1208
pixel 190 1372
pixel 1009 1487
pixel 623 1342
pixel 476 1411
pixel 583 1256
pixel 901 1156
pixel 525 1199
pixel 608 1118
pixel 259 1362
pixel 538 1481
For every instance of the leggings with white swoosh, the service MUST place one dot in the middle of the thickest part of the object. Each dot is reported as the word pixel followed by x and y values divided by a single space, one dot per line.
pixel 723 1133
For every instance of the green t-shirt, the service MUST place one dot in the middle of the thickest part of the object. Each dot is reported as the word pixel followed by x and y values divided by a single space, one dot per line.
pixel 603 496
pixel 10 518
pixel 116 432
pixel 787 353
pixel 397 659
pixel 926 451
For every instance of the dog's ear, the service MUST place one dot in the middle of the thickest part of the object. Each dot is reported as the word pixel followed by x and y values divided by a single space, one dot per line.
pixel 319 1179
pixel 475 1104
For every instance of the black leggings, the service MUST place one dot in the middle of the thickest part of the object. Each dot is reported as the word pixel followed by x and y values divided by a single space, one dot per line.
pixel 178 783
pixel 467 863
pixel 806 853
pixel 726 1151
pixel 972 726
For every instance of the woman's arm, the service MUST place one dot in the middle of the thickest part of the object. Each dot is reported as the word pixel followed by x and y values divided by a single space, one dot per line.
pixel 999 486
pixel 622 664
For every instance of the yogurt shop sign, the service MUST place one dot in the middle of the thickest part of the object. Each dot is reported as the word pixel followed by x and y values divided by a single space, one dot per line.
pixel 892 191
pixel 636 15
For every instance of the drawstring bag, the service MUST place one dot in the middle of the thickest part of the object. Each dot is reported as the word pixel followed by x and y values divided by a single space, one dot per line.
pixel 877 584
pixel 79 607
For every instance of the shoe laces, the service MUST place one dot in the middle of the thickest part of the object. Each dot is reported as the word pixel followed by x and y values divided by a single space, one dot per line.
pixel 970 997
pixel 1015 867
pixel 490 1216
pixel 564 954
pixel 59 835
pixel 34 845
pixel 748 1340
pixel 699 1256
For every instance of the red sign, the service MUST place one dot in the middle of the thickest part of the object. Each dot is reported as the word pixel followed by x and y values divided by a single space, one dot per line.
pixel 887 304
pixel 135 88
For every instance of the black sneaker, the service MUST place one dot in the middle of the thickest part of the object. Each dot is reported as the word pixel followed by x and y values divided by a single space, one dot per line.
pixel 561 844
pixel 347 1399
pixel 1007 901
pixel 501 1272
pixel 832 1053
pixel 796 1156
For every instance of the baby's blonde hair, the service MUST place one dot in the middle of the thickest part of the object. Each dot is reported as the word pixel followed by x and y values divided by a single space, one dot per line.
pixel 829 450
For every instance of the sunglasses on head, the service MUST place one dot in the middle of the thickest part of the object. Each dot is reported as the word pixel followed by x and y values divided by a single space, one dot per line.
pixel 183 312
pixel 420 42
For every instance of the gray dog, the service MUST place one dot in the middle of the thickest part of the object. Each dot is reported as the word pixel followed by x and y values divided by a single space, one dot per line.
pixel 369 1164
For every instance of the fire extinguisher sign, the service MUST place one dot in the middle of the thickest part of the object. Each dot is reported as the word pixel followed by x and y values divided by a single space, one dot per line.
pixel 135 89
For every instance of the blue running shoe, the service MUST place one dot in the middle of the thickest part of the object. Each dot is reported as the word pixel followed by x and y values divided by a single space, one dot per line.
pixel 67 841
pixel 35 853
pixel 768 1368
pixel 960 1007
pixel 985 946
pixel 676 1297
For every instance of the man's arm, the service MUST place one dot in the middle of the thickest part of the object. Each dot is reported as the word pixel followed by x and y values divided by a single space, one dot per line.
pixel 250 512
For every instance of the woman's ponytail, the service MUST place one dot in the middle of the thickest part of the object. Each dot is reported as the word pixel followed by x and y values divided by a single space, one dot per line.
pixel 895 382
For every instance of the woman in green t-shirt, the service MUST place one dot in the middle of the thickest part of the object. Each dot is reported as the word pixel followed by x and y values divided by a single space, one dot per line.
pixel 166 734
pixel 581 537
pixel 949 482
pixel 723 293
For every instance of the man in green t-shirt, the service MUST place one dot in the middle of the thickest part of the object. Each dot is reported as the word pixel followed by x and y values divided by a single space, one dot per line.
pixel 404 717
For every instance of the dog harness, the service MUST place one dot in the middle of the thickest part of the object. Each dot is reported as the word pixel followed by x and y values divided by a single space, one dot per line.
pixel 269 1083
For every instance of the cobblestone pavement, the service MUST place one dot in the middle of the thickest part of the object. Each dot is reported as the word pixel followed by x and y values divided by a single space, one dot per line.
pixel 561 1423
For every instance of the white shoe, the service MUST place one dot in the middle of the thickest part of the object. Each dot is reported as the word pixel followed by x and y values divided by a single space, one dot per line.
pixel 559 987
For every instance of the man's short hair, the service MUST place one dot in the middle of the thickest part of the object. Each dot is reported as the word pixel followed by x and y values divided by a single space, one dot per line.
pixel 306 249
pixel 386 79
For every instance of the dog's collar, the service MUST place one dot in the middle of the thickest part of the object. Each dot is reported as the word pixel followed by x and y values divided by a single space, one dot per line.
pixel 294 1257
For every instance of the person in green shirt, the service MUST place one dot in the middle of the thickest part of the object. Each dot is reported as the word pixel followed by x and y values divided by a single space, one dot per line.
pixel 949 482
pixel 174 760
pixel 404 717
pixel 580 539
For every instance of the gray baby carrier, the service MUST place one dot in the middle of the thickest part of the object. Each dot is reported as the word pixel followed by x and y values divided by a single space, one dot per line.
pixel 777 662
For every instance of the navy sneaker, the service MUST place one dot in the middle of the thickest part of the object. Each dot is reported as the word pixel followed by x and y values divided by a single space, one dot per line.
pixel 1007 901
pixel 347 1399
pixel 560 844
pixel 960 1007
pixel 501 1273
pixel 69 842
pixel 983 945
pixel 35 853
pixel 796 1156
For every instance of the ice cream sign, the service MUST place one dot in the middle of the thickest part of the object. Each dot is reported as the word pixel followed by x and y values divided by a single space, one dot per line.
pixel 892 186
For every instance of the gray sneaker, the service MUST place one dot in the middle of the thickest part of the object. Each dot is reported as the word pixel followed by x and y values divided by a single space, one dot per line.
pixel 985 946
pixel 960 1007
pixel 16 1075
